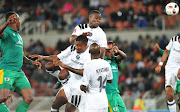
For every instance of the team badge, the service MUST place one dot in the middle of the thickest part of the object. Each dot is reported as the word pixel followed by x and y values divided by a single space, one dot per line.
pixel 115 108
pixel 6 78
pixel 77 57
pixel 87 33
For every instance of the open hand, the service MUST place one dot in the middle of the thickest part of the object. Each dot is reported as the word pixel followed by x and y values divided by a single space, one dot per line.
pixel 39 57
pixel 38 64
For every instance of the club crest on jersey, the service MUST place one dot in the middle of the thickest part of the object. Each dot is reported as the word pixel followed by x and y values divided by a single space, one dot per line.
pixel 6 78
pixel 77 57
pixel 115 108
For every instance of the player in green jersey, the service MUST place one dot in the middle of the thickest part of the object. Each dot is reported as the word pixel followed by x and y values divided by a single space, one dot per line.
pixel 161 51
pixel 11 74
pixel 115 101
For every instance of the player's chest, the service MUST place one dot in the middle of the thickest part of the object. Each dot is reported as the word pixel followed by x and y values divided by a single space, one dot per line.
pixel 78 60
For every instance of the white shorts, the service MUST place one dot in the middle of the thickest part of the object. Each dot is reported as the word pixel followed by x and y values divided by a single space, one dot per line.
pixel 171 76
pixel 97 110
pixel 75 96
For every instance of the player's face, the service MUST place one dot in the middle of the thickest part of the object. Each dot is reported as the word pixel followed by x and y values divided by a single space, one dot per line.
pixel 109 50
pixel 80 46
pixel 94 20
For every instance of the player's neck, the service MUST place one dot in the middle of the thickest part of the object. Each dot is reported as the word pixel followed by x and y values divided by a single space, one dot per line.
pixel 13 27
pixel 91 26
pixel 94 56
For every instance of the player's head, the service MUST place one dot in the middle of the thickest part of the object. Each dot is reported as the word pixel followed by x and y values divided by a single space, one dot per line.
pixel 109 50
pixel 94 18
pixel 16 16
pixel 81 43
pixel 94 50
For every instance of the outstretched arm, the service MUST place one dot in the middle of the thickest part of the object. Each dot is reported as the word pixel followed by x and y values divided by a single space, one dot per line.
pixel 28 61
pixel 57 62
pixel 40 57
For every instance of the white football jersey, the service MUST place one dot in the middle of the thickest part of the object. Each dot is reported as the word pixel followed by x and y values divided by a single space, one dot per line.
pixel 75 60
pixel 94 35
pixel 174 56
pixel 95 75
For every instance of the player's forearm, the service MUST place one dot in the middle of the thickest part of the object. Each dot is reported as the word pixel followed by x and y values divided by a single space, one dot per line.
pixel 161 51
pixel 49 58
pixel 72 39
pixel 76 71
pixel 27 60
pixel 102 52
pixel 3 27
pixel 165 55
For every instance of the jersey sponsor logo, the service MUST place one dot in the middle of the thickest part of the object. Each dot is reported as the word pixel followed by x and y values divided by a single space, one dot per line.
pixel 102 70
pixel 79 63
pixel 6 78
pixel 115 108
pixel 14 34
pixel 87 33
pixel 113 67
pixel 177 50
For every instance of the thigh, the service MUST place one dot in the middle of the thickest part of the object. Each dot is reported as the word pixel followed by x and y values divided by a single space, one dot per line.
pixel 70 108
pixel 116 103
pixel 60 99
pixel 21 82
pixel 170 77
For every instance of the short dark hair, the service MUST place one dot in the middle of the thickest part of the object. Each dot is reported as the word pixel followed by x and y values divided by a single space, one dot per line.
pixel 9 14
pixel 82 38
pixel 93 12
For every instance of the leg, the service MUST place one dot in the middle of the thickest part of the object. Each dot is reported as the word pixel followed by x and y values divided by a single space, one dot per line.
pixel 170 99
pixel 4 95
pixel 70 108
pixel 59 100
pixel 27 99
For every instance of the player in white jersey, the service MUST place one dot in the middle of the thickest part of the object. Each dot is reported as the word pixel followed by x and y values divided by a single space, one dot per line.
pixel 75 57
pixel 172 70
pixel 93 32
pixel 96 73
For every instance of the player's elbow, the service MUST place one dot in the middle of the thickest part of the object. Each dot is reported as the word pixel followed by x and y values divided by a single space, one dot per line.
pixel 109 81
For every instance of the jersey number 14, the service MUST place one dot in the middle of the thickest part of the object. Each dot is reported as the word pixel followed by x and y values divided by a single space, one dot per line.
pixel 102 82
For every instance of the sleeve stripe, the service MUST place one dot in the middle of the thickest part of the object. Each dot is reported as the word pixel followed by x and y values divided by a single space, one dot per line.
pixel 80 25
pixel 85 25
pixel 175 38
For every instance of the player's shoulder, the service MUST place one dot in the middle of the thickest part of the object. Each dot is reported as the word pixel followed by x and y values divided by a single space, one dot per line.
pixel 83 26
pixel 175 38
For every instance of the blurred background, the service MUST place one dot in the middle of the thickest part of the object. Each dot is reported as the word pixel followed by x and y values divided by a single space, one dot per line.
pixel 134 25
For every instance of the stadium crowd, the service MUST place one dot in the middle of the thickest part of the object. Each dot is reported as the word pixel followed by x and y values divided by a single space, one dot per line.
pixel 116 14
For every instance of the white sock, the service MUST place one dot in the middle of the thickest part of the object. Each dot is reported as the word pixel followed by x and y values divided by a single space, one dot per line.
pixel 172 106
pixel 55 73
pixel 54 110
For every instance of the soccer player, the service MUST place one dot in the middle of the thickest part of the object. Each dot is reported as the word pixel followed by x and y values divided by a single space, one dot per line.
pixel 94 34
pixel 75 57
pixel 172 70
pixel 161 51
pixel 11 74
pixel 95 75
pixel 114 56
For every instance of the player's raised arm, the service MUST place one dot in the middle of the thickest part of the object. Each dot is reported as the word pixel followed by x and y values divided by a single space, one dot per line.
pixel 40 57
pixel 121 54
pixel 9 20
pixel 164 57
